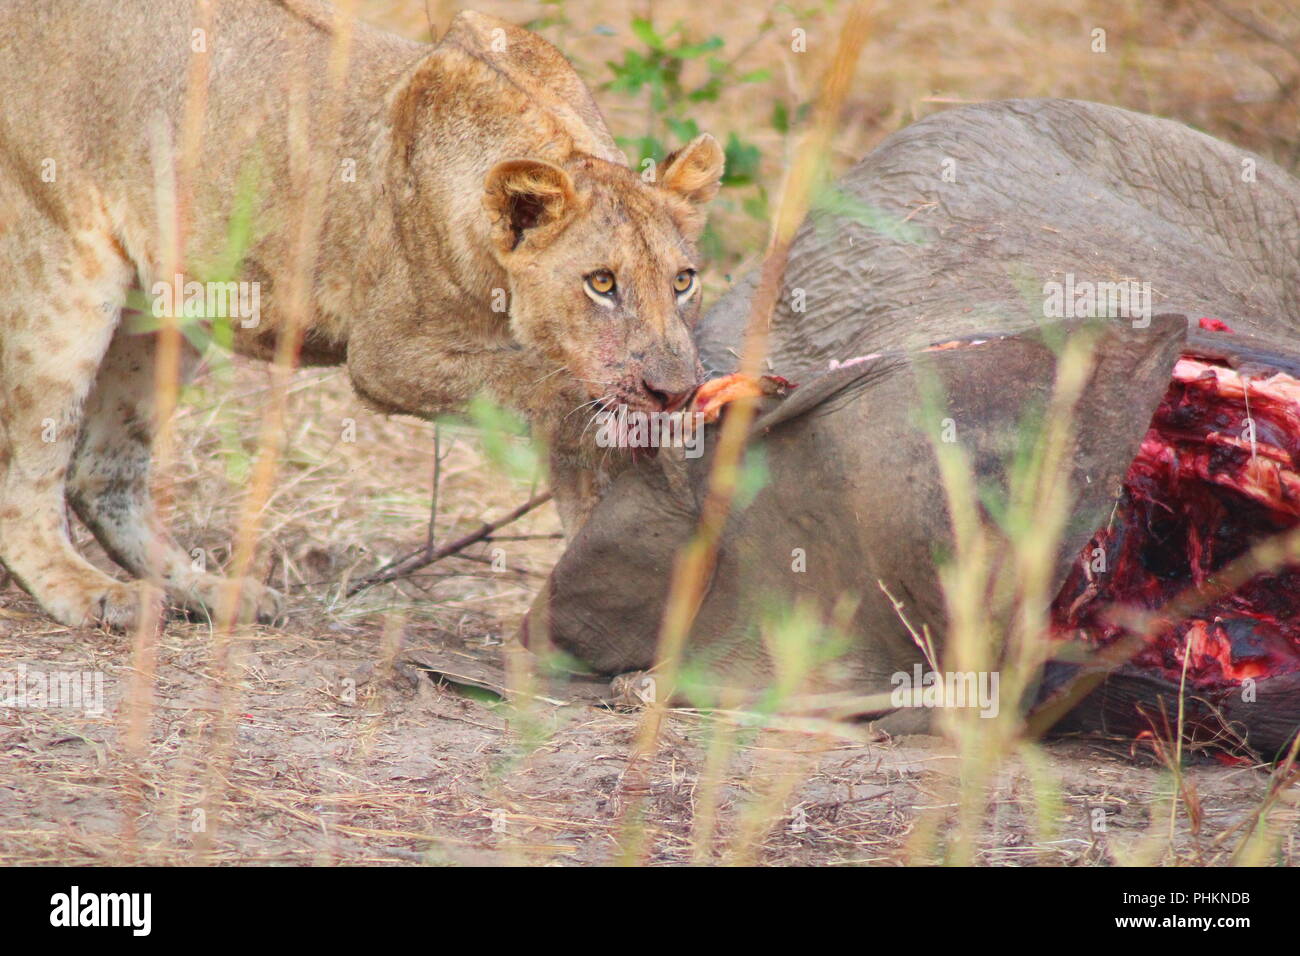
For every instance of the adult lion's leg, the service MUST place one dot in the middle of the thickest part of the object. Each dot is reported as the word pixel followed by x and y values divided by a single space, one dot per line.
pixel 109 482
pixel 62 295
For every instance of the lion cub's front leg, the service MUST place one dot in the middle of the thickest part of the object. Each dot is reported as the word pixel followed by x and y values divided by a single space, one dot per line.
pixel 73 380
pixel 109 484
pixel 62 294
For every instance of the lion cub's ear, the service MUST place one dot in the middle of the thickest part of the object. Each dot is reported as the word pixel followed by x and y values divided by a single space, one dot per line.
pixel 527 199
pixel 695 170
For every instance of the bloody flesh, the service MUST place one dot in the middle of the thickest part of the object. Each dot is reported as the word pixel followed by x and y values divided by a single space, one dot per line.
pixel 1216 472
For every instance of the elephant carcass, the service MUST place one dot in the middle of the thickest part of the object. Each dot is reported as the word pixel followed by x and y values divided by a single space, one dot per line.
pixel 977 225
pixel 840 515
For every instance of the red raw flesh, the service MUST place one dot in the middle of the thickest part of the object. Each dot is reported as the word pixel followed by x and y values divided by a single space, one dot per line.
pixel 1215 325
pixel 1197 496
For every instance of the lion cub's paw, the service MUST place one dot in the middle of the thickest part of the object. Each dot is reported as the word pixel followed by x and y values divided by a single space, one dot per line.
pixel 114 605
pixel 204 595
pixel 257 602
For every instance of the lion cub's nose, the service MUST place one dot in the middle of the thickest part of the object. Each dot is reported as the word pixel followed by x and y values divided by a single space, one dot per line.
pixel 666 398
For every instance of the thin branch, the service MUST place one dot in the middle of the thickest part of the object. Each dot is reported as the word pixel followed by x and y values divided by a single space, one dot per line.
pixel 423 558
pixel 437 478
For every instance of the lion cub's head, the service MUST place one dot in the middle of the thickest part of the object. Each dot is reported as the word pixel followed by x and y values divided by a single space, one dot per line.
pixel 602 268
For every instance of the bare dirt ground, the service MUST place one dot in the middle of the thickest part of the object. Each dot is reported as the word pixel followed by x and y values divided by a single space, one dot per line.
pixel 346 748
pixel 408 771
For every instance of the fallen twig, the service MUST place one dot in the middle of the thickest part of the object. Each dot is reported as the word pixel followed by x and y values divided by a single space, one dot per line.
pixel 427 556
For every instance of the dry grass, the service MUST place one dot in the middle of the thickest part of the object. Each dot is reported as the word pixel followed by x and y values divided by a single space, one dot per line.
pixel 410 772
pixel 341 754
pixel 1228 67
pixel 354 491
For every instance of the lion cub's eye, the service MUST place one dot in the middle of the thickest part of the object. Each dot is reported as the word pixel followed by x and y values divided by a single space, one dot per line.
pixel 684 281
pixel 601 283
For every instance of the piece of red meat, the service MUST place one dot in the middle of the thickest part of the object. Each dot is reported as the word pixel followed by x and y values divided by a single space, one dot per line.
pixel 1216 471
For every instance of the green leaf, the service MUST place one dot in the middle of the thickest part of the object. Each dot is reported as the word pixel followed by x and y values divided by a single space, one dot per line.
pixel 780 118
pixel 633 73
pixel 706 93
pixel 743 161
pixel 645 32
pixel 690 51
pixel 643 147
pixel 502 433
pixel 711 244
pixel 684 130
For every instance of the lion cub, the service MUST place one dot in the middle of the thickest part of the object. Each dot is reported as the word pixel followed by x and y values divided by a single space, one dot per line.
pixel 481 230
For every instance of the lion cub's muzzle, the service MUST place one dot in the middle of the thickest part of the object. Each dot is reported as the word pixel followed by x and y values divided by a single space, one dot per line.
pixel 649 387
pixel 643 411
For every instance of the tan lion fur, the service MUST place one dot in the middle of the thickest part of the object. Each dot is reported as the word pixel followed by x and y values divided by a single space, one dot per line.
pixel 483 175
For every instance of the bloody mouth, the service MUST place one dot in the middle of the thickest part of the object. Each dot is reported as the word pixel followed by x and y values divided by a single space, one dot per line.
pixel 1202 490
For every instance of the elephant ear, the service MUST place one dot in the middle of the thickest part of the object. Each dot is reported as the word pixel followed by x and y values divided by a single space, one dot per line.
pixel 988 398
pixel 852 455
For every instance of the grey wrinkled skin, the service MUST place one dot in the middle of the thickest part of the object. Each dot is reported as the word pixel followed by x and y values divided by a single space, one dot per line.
pixel 852 483
pixel 1042 188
